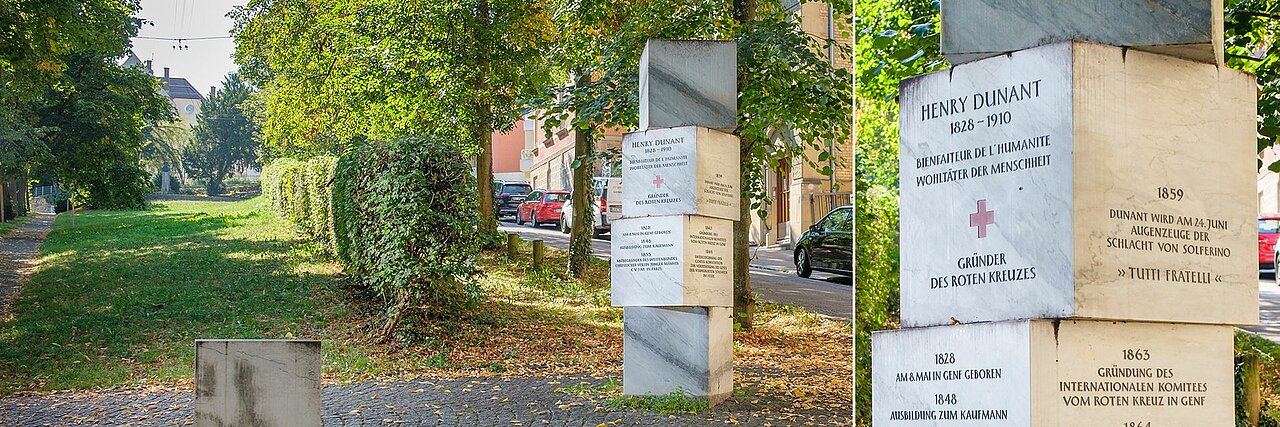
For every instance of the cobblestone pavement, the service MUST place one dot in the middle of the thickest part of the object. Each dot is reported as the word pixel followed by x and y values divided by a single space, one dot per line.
pixel 491 401
pixel 17 255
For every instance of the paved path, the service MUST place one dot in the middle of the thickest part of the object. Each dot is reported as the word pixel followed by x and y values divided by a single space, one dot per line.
pixel 772 275
pixel 1269 309
pixel 18 253
pixel 494 401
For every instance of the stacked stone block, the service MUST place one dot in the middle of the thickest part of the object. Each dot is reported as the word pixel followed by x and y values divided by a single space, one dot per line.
pixel 672 264
pixel 1095 242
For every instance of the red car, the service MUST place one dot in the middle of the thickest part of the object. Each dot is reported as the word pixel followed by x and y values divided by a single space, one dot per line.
pixel 541 206
pixel 1268 232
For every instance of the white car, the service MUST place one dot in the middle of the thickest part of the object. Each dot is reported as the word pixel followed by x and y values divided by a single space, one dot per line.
pixel 606 192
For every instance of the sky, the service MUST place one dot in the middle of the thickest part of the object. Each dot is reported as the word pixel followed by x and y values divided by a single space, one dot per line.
pixel 205 62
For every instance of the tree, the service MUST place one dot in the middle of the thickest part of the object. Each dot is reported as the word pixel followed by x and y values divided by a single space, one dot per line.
pixel 65 105
pixel 224 136
pixel 355 71
pixel 99 115
pixel 787 86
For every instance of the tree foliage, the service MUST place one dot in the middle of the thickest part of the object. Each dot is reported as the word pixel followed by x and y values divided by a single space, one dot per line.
pixel 65 104
pixel 352 71
pixel 96 121
pixel 224 136
pixel 1252 33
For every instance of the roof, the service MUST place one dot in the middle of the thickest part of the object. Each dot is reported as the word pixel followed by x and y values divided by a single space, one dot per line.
pixel 132 61
pixel 181 88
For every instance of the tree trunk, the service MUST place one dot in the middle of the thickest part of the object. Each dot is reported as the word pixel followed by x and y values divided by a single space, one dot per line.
pixel 583 226
pixel 744 304
pixel 484 159
pixel 4 205
pixel 744 11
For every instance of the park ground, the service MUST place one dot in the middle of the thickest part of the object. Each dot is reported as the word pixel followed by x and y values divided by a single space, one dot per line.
pixel 103 332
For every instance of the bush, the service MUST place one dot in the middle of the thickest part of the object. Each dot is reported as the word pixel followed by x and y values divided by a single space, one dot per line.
pixel 302 192
pixel 405 224
pixel 317 176
pixel 122 186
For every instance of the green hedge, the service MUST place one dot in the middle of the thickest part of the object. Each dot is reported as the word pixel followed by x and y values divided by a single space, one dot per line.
pixel 302 192
pixel 405 223
pixel 400 216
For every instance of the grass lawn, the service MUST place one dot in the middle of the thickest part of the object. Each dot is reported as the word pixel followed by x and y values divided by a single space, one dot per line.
pixel 119 297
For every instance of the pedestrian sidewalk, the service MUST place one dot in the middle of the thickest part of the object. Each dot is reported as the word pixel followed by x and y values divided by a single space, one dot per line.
pixel 773 259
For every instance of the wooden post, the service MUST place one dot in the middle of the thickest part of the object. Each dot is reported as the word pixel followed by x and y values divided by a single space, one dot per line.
pixel 537 254
pixel 1252 383
pixel 513 245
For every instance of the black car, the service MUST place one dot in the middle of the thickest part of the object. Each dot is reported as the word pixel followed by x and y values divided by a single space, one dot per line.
pixel 828 245
pixel 508 196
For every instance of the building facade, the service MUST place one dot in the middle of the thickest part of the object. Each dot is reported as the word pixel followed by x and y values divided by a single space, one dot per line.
pixel 544 157
pixel 800 195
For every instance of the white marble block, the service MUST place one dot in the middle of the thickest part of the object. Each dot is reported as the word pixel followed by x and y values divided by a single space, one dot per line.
pixel 257 383
pixel 686 349
pixel 1079 180
pixel 975 29
pixel 686 170
pixel 1044 373
pixel 676 260
pixel 689 83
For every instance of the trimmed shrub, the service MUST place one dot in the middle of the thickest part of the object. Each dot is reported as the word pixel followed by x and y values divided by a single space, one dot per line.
pixel 405 223
pixel 302 192
pixel 318 179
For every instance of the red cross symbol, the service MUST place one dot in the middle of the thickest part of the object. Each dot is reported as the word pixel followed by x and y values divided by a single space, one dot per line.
pixel 657 181
pixel 982 218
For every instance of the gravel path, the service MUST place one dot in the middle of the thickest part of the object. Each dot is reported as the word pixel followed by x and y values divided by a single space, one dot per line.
pixel 18 253
pixel 491 401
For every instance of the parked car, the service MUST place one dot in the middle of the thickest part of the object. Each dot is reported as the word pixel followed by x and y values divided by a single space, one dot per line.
pixel 828 245
pixel 607 192
pixel 1268 234
pixel 508 195
pixel 541 206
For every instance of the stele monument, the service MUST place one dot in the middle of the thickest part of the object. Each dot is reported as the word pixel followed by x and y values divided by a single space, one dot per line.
pixel 672 263
pixel 1077 214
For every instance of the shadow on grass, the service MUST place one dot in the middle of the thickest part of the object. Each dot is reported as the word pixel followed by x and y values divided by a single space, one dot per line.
pixel 119 296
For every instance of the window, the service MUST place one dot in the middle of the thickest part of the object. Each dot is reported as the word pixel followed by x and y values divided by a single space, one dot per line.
pixel 1269 226
pixel 518 189
pixel 535 196
pixel 557 197
pixel 839 220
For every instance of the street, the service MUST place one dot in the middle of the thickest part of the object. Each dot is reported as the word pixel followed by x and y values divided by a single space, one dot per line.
pixel 772 276
pixel 1269 309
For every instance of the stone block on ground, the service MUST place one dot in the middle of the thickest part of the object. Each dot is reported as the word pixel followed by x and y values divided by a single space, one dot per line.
pixel 257 383
pixel 670 349
pixel 1048 373
pixel 976 29
pixel 675 260
pixel 1079 180
pixel 689 83
pixel 686 170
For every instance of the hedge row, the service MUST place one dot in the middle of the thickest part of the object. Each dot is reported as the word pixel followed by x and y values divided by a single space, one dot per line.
pixel 302 191
pixel 399 215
